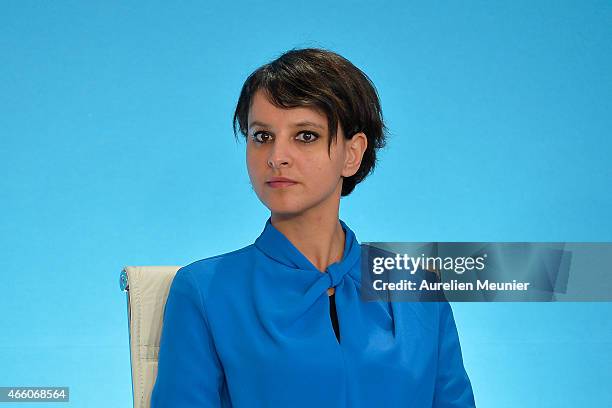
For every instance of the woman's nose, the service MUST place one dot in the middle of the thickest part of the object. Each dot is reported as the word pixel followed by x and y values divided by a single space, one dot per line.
pixel 279 155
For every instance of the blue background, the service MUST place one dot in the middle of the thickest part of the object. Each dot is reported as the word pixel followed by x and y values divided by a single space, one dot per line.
pixel 117 149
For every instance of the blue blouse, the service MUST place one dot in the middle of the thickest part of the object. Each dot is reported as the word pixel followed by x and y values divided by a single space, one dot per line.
pixel 252 328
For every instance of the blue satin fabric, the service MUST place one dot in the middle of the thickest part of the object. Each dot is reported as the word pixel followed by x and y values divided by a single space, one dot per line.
pixel 252 328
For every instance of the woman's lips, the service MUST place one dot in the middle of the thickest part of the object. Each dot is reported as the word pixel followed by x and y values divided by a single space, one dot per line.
pixel 280 184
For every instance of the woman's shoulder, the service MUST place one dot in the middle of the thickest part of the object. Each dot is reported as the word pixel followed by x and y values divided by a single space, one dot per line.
pixel 216 268
pixel 236 255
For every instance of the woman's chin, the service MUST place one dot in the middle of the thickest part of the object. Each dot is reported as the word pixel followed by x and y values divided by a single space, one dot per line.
pixel 284 212
pixel 285 209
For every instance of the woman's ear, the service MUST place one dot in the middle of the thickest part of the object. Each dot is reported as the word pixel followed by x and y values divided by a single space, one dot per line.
pixel 355 147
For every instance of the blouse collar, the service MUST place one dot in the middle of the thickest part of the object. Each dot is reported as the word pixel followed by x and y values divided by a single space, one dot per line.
pixel 277 246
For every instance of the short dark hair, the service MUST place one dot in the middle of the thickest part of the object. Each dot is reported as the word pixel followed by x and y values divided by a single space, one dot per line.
pixel 328 82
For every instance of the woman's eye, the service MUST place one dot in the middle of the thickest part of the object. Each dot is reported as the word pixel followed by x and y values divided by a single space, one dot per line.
pixel 260 137
pixel 305 137
pixel 308 137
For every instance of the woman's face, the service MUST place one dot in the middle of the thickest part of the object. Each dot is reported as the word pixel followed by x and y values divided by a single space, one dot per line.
pixel 292 144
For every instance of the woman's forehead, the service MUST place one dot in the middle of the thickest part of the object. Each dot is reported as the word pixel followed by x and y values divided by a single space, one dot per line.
pixel 265 114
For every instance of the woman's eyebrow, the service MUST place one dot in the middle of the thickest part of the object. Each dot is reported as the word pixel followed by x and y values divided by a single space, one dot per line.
pixel 298 124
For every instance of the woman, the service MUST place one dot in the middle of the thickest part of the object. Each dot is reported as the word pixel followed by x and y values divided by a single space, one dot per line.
pixel 280 323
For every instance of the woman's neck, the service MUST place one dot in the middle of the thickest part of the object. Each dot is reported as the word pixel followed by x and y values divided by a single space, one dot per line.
pixel 320 238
